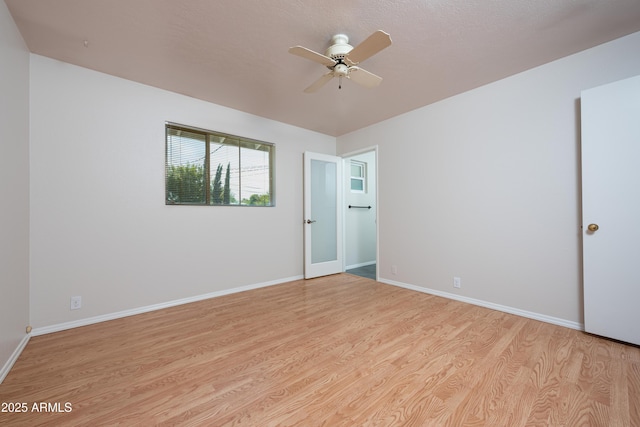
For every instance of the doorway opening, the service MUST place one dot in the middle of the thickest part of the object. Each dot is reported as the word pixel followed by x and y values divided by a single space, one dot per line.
pixel 360 194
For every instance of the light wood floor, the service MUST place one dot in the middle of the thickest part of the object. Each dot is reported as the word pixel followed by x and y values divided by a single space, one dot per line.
pixel 334 351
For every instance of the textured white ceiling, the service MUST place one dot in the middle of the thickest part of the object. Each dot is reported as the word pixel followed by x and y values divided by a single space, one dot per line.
pixel 234 52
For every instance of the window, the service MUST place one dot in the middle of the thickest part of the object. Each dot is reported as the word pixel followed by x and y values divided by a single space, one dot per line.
pixel 358 176
pixel 210 168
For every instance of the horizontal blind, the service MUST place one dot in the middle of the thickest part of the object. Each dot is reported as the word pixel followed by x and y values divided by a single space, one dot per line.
pixel 185 167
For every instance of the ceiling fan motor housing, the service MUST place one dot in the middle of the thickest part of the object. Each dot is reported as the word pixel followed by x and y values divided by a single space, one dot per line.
pixel 340 47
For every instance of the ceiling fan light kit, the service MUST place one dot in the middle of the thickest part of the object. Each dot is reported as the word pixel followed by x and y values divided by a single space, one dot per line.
pixel 342 59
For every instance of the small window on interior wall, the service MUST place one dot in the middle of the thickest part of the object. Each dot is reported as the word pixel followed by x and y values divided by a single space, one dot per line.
pixel 358 177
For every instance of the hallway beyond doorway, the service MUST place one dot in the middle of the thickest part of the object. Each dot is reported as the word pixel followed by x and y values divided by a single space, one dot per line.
pixel 368 271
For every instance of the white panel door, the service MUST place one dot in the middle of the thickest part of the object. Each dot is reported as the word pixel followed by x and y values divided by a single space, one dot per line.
pixel 323 216
pixel 611 209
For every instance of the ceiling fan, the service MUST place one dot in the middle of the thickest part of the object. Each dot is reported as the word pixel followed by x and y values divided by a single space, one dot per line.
pixel 342 59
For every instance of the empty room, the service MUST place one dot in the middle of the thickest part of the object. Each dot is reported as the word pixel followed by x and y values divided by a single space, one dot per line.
pixel 412 213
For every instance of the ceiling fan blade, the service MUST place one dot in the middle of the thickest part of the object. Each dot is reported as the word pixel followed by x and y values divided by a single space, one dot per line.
pixel 369 47
pixel 311 55
pixel 319 83
pixel 363 77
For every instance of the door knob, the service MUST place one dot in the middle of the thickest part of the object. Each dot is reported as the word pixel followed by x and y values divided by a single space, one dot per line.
pixel 593 227
pixel 310 221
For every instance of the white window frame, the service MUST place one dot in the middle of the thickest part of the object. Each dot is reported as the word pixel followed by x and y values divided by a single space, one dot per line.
pixel 362 178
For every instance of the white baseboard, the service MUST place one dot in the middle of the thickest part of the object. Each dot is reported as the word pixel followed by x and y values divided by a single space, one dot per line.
pixel 362 264
pixel 125 313
pixel 14 356
pixel 481 303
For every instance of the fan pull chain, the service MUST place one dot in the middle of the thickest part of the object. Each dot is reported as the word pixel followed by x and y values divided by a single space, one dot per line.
pixel 340 82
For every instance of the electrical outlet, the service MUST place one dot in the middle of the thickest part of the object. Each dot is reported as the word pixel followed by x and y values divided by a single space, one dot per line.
pixel 76 303
pixel 394 269
pixel 457 282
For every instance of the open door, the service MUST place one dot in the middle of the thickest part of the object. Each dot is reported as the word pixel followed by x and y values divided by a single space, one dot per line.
pixel 322 215
pixel 611 209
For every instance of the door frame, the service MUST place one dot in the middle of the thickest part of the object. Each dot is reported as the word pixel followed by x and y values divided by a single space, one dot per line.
pixel 345 157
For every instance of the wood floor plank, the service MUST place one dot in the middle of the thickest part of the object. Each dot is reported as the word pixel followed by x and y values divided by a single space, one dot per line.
pixel 336 351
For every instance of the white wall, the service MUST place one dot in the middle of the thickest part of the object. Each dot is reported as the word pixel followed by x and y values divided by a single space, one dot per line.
pixel 14 190
pixel 486 186
pixel 99 225
pixel 360 224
